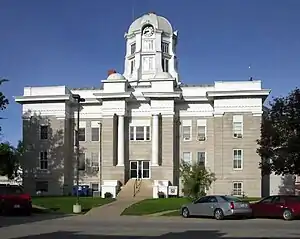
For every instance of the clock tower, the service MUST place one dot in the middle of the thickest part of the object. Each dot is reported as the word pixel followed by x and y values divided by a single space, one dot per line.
pixel 150 49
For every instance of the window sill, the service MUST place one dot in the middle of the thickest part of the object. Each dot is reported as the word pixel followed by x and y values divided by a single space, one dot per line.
pixel 237 169
pixel 139 141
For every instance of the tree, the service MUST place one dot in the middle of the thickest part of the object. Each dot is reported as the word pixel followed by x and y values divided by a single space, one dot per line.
pixel 196 179
pixel 10 159
pixel 279 145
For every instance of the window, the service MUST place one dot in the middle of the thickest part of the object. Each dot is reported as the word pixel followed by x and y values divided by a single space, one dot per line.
pixel 148 45
pixel 187 157
pixel 43 160
pixel 81 134
pixel 132 48
pixel 267 200
pixel 165 47
pixel 203 200
pixel 237 189
pixel 41 186
pixel 139 133
pixel 132 63
pixel 201 158
pixel 201 129
pixel 148 63
pixel 237 159
pixel 95 186
pixel 165 65
pixel 237 126
pixel 95 159
pixel 95 133
pixel 44 132
pixel 82 161
pixel 187 130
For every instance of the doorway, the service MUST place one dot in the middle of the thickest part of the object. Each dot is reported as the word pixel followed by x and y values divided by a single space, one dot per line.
pixel 140 169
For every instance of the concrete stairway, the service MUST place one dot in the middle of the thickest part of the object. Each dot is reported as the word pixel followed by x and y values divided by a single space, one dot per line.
pixel 136 188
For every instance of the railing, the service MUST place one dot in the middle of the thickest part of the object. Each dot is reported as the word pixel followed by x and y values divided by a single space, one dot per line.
pixel 137 186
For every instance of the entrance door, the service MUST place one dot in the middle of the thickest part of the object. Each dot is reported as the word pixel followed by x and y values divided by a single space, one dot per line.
pixel 140 169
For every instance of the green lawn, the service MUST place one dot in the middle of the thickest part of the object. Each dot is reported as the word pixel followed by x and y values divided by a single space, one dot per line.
pixel 65 204
pixel 151 206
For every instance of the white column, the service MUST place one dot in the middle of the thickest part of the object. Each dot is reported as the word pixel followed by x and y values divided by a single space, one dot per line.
pixel 155 140
pixel 121 140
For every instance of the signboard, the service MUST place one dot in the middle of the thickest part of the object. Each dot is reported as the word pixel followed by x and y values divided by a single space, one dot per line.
pixel 173 190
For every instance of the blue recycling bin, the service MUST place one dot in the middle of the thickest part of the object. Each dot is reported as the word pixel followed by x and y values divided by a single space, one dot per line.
pixel 83 190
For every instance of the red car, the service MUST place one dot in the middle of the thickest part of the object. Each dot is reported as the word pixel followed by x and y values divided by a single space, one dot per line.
pixel 277 206
pixel 13 199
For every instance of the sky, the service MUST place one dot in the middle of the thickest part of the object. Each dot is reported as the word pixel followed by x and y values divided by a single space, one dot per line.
pixel 75 42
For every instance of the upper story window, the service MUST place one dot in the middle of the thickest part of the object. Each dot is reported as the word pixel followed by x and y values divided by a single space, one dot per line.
pixel 132 48
pixel 44 132
pixel 95 159
pixel 148 45
pixel 81 134
pixel 44 160
pixel 132 63
pixel 237 159
pixel 237 126
pixel 82 161
pixel 95 134
pixel 165 47
pixel 139 133
pixel 187 130
pixel 201 129
pixel 165 64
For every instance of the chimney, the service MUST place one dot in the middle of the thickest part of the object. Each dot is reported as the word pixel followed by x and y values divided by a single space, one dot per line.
pixel 111 71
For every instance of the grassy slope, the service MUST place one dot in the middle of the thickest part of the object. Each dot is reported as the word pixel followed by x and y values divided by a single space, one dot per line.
pixel 65 204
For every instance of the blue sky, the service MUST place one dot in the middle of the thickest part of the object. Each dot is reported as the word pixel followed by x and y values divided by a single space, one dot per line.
pixel 74 43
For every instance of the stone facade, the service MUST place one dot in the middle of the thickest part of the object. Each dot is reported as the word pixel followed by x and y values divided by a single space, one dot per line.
pixel 148 123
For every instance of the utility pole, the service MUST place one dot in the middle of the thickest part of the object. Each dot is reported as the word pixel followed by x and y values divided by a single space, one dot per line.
pixel 77 206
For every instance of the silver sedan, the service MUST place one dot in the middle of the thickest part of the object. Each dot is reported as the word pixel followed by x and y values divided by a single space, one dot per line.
pixel 217 206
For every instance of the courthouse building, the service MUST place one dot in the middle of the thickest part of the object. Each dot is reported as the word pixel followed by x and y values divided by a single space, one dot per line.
pixel 143 122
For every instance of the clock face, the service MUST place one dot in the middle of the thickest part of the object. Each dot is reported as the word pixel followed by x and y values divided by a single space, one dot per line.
pixel 148 31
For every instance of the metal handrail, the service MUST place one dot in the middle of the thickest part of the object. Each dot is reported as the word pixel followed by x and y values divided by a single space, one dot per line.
pixel 137 186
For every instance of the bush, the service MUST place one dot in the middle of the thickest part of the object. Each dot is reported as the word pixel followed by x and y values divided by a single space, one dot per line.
pixel 108 195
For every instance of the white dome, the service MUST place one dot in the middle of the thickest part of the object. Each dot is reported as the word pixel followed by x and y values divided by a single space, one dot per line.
pixel 157 22
pixel 163 75
pixel 116 76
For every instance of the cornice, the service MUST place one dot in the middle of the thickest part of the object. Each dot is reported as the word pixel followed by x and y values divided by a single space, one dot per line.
pixel 162 94
pixel 113 95
pixel 238 93
pixel 43 98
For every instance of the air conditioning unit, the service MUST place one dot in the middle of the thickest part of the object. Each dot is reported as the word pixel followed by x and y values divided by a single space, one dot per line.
pixel 238 136
pixel 201 138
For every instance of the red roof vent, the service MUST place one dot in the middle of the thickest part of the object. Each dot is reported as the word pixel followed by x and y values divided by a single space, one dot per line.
pixel 111 71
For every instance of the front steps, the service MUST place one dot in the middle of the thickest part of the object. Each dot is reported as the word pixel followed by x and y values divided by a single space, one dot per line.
pixel 136 189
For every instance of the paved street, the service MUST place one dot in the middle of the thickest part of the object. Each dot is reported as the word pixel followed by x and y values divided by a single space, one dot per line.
pixel 79 227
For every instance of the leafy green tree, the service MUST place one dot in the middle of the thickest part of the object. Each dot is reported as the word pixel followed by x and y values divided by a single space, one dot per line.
pixel 196 179
pixel 279 145
pixel 3 100
pixel 10 159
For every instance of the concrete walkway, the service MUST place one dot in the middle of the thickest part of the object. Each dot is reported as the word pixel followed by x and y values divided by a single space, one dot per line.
pixel 113 209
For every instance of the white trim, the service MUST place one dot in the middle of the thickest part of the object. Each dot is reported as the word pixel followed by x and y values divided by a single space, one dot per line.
pixel 42 98
pixel 187 123
pixel 242 160
pixel 137 122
